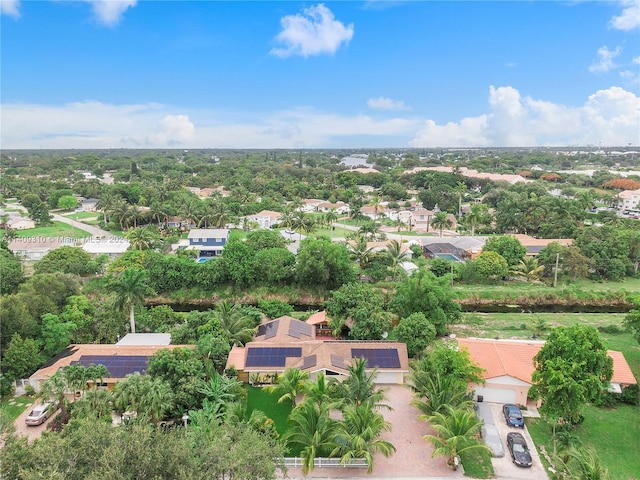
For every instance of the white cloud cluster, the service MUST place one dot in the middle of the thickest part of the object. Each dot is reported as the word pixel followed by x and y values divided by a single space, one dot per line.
pixel 314 32
pixel 610 116
pixel 10 8
pixel 629 19
pixel 107 12
pixel 605 59
pixel 384 103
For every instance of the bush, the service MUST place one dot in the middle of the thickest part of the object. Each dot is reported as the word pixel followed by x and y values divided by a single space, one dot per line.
pixel 630 395
pixel 611 329
pixel 274 308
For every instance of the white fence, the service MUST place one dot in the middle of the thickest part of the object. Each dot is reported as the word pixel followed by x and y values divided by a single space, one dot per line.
pixel 320 462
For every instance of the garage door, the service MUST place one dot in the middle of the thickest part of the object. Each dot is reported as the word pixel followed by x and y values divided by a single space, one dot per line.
pixel 497 395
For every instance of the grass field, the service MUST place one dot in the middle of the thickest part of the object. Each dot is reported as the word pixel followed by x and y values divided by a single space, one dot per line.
pixel 83 215
pixel 565 286
pixel 259 399
pixel 14 406
pixel 58 229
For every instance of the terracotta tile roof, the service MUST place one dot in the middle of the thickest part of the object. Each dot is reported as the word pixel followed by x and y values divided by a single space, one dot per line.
pixel 74 352
pixel 316 318
pixel 514 358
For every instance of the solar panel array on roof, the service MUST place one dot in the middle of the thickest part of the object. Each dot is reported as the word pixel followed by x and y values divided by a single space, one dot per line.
pixel 309 361
pixel 269 330
pixel 119 366
pixel 296 329
pixel 270 356
pixel 337 361
pixel 378 357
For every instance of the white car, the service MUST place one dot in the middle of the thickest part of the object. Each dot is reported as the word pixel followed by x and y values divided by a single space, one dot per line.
pixel 39 414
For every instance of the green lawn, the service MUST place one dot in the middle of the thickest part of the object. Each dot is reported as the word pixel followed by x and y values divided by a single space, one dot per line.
pixel 615 434
pixel 477 464
pixel 14 406
pixel 579 288
pixel 83 215
pixel 58 229
pixel 259 399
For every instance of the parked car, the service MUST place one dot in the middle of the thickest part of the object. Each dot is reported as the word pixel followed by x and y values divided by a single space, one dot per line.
pixel 518 449
pixel 513 415
pixel 39 414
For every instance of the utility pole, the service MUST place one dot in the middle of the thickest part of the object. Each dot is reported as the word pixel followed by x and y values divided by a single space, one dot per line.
pixel 555 274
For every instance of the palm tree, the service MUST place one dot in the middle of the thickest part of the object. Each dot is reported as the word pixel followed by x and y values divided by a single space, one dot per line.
pixel 130 288
pixel 290 384
pixel 188 209
pixel 529 268
pixel 358 435
pixel 159 211
pixel 120 212
pixel 311 428
pixel 330 217
pixel 319 392
pixel 440 221
pixel 140 238
pixel 436 393
pixel 584 464
pixel 396 255
pixel 461 190
pixel 55 387
pixel 376 204
pixel 478 215
pixel 368 229
pixel 456 430
pixel 360 386
pixel 220 215
pixel 107 202
pixel 237 326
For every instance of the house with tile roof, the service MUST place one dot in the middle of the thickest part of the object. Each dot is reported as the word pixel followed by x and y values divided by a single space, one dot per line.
pixel 289 343
pixel 629 200
pixel 534 245
pixel 265 219
pixel 508 368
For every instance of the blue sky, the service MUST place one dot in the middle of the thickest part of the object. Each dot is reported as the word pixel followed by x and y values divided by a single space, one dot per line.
pixel 347 74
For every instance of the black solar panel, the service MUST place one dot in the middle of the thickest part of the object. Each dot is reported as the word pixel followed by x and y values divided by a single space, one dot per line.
pixel 269 330
pixel 337 361
pixel 119 366
pixel 270 356
pixel 296 329
pixel 378 357
pixel 309 362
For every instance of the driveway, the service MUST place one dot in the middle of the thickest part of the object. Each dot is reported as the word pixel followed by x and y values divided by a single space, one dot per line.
pixel 31 432
pixel 412 459
pixel 504 468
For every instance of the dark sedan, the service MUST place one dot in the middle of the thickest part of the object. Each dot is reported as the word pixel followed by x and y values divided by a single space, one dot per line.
pixel 518 449
pixel 513 415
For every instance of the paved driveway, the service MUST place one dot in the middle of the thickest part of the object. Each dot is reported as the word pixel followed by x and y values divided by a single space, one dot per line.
pixel 412 459
pixel 504 467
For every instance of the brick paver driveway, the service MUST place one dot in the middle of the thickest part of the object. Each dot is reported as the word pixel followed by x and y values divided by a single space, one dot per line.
pixel 413 456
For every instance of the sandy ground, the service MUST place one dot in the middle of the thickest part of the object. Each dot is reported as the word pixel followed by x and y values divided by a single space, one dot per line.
pixel 412 459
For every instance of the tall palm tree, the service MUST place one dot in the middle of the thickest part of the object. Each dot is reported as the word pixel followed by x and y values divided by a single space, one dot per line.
pixel 107 202
pixel 360 386
pixel 435 393
pixel 220 214
pixel 358 435
pixel 237 326
pixel 529 268
pixel 290 384
pixel 140 238
pixel 330 217
pixel 311 428
pixel 456 430
pixel 461 190
pixel 55 387
pixel 319 392
pixel 478 215
pixel 396 255
pixel 159 212
pixel 368 229
pixel 120 212
pixel 440 221
pixel 130 288
pixel 376 204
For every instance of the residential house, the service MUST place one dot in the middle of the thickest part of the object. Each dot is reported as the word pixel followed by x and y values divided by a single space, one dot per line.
pixel 20 223
pixel 311 205
pixel 629 201
pixel 289 343
pixel 265 219
pixel 453 248
pixel 121 359
pixel 340 208
pixel 421 219
pixel 534 245
pixel 508 366
pixel 320 322
pixel 89 204
pixel 112 246
pixel 35 248
pixel 208 242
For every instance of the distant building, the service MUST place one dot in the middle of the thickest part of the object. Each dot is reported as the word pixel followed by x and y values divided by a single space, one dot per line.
pixel 629 200
pixel 20 223
pixel 265 219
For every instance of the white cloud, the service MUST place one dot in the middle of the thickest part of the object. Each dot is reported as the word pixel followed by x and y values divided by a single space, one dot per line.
pixel 109 12
pixel 10 8
pixel 610 116
pixel 605 59
pixel 636 60
pixel 313 32
pixel 384 103
pixel 629 19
